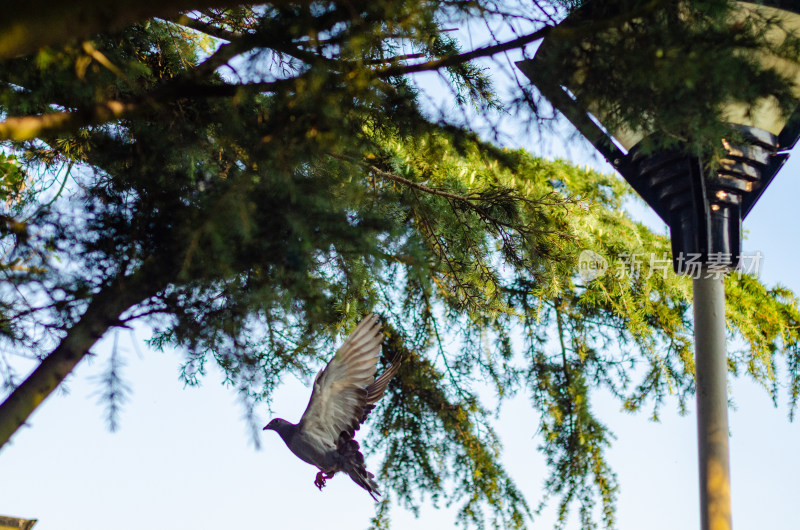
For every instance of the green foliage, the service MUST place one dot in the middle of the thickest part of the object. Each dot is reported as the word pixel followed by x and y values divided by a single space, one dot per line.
pixel 657 57
pixel 12 180
pixel 768 322
pixel 257 179
pixel 438 442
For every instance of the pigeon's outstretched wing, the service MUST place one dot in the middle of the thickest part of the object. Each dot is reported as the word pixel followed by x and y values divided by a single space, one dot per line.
pixel 346 389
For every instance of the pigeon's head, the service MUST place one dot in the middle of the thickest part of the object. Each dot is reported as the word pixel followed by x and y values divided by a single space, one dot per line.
pixel 277 424
pixel 285 429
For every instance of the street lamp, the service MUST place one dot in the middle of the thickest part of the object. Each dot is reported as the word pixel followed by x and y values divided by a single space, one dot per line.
pixel 703 208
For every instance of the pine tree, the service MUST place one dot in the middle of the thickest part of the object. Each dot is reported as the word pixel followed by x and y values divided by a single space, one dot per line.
pixel 250 181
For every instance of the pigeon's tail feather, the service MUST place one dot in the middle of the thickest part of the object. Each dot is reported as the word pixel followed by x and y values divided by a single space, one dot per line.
pixel 363 478
pixel 353 464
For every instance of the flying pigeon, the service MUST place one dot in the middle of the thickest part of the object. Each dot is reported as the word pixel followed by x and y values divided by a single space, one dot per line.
pixel 344 393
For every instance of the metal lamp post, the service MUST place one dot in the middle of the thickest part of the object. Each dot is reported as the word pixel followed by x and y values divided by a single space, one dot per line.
pixel 704 211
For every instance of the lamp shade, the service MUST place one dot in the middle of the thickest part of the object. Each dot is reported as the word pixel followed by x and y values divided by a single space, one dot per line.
pixel 703 208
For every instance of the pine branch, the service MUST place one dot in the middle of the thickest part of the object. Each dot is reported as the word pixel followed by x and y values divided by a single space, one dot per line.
pixel 207 28
pixel 25 27
pixel 48 125
pixel 473 201
pixel 242 42
pixel 432 191
pixel 103 313
pixel 561 31
pixel 565 367
pixel 454 60
pixel 29 127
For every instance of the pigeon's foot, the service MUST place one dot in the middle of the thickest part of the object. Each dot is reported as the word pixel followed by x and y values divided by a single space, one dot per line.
pixel 321 478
